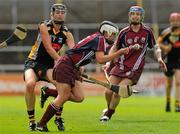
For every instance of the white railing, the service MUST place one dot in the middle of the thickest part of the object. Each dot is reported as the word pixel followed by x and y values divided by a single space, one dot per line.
pixel 73 27
pixel 16 49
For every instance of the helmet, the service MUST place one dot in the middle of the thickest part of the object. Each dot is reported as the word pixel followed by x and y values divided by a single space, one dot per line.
pixel 174 19
pixel 58 7
pixel 111 29
pixel 137 9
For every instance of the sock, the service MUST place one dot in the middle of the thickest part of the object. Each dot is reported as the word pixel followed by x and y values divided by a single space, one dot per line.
pixel 168 90
pixel 177 103
pixel 168 99
pixel 109 113
pixel 177 95
pixel 168 95
pixel 108 105
pixel 51 92
pixel 59 112
pixel 31 116
pixel 49 113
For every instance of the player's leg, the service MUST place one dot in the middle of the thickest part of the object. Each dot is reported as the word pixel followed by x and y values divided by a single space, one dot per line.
pixel 77 94
pixel 30 81
pixel 108 93
pixel 45 93
pixel 169 83
pixel 115 97
pixel 108 96
pixel 177 96
pixel 74 97
pixel 107 113
pixel 63 95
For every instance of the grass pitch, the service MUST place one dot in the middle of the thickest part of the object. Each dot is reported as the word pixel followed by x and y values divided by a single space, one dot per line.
pixel 135 115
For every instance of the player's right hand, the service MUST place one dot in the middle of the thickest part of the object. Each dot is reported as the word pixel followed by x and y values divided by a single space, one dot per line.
pixel 125 50
pixel 162 65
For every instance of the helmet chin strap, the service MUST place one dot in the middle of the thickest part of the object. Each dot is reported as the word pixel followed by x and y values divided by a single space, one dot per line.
pixel 58 22
pixel 110 42
pixel 174 28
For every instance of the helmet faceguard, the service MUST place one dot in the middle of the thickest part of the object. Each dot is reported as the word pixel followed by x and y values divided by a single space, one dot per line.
pixel 137 9
pixel 58 8
pixel 109 30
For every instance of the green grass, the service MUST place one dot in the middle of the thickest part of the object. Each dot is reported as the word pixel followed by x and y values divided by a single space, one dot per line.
pixel 135 115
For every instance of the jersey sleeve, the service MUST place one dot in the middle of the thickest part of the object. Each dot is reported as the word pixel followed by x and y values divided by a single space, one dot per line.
pixel 151 39
pixel 120 40
pixel 99 44
pixel 65 28
pixel 165 35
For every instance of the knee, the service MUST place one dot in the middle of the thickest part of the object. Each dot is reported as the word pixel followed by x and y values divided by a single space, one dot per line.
pixel 30 86
pixel 108 92
pixel 116 96
pixel 169 85
pixel 178 84
pixel 79 98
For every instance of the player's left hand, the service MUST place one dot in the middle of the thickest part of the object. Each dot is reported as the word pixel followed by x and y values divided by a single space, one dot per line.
pixel 106 66
pixel 162 65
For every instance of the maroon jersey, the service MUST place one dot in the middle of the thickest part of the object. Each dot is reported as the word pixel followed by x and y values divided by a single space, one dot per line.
pixel 135 59
pixel 67 68
pixel 84 51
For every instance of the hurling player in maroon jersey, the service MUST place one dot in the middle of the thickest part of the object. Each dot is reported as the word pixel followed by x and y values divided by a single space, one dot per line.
pixel 66 72
pixel 128 68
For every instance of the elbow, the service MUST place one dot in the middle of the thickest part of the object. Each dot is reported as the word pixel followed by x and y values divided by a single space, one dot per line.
pixel 49 49
pixel 101 62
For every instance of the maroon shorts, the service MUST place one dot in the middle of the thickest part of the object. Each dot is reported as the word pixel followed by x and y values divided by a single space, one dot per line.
pixel 110 68
pixel 127 73
pixel 65 71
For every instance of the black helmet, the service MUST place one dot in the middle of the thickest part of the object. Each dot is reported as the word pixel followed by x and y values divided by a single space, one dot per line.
pixel 59 7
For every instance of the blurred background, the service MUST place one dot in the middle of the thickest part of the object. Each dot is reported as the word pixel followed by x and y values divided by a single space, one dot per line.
pixel 82 19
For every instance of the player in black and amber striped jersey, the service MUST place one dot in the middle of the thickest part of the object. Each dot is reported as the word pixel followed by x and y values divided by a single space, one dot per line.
pixel 169 42
pixel 53 34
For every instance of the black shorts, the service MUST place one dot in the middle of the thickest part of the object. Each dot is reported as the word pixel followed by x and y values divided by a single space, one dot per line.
pixel 171 67
pixel 39 68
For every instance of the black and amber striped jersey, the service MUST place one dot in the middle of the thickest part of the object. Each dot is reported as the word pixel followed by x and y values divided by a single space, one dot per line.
pixel 58 39
pixel 165 36
pixel 169 38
